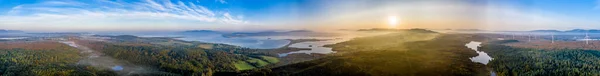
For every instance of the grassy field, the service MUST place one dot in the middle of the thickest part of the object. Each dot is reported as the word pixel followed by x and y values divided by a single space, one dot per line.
pixel 270 59
pixel 243 65
pixel 255 62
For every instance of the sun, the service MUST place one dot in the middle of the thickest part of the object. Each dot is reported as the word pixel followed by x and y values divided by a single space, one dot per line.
pixel 393 21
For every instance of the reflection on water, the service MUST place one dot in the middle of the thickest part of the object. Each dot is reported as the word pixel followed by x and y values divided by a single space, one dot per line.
pixel 117 68
pixel 482 57
pixel 243 42
pixel 12 38
pixel 316 47
pixel 210 37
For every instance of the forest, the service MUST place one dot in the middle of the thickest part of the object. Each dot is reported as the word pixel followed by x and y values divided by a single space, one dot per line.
pixel 512 61
pixel 157 56
pixel 58 61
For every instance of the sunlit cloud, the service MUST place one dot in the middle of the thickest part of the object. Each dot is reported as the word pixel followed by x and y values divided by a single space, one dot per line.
pixel 113 14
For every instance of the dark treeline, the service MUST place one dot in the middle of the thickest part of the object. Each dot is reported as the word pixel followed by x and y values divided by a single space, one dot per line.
pixel 199 59
pixel 184 60
pixel 51 62
pixel 513 61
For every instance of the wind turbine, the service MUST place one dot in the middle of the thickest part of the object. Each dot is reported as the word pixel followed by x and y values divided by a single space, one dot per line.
pixel 587 38
pixel 529 37
pixel 552 37
pixel 513 36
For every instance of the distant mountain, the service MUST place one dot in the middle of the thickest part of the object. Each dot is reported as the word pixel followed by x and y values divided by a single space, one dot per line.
pixel 468 30
pixel 421 30
pixel 379 29
pixel 391 30
pixel 545 31
pixel 201 31
pixel 9 31
pixel 569 31
pixel 576 30
pixel 344 29
pixel 276 33
pixel 300 31
pixel 583 31
pixel 61 33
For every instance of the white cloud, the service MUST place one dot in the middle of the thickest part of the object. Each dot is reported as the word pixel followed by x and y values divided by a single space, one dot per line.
pixel 221 1
pixel 105 13
pixel 229 19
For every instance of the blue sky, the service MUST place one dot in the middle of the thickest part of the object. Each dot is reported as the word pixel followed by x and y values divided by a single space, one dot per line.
pixel 242 15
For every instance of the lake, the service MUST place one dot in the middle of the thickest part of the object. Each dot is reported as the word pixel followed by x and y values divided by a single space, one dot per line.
pixel 249 42
pixel 483 57
pixel 316 47
pixel 12 38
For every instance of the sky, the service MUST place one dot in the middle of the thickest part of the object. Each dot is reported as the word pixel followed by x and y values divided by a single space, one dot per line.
pixel 251 15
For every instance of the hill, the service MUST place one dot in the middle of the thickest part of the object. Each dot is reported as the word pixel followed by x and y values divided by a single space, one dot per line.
pixel 545 31
pixel 9 31
pixel 277 33
pixel 568 31
pixel 201 31
pixel 397 30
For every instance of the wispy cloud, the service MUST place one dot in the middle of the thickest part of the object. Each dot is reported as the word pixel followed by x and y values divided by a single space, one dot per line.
pixel 107 13
pixel 221 1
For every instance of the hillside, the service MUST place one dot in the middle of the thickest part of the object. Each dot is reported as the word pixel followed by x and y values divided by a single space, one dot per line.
pixel 278 33
pixel 9 31
pixel 131 55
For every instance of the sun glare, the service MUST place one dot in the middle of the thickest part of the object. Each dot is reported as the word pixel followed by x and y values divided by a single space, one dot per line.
pixel 393 21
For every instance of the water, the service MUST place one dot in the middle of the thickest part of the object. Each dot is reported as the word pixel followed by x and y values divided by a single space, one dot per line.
pixel 256 43
pixel 117 68
pixel 316 47
pixel 213 37
pixel 12 38
pixel 483 57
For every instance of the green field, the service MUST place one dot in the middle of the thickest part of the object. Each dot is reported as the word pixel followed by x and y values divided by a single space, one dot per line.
pixel 255 62
pixel 243 65
pixel 270 59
